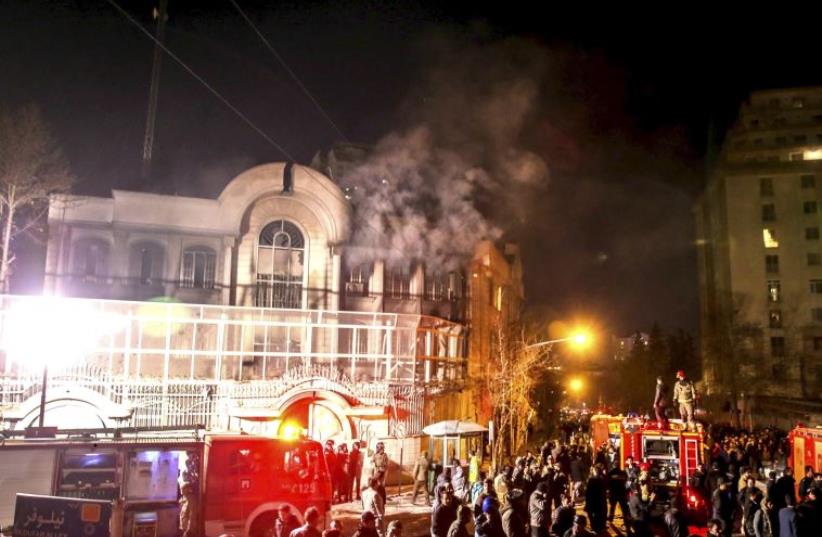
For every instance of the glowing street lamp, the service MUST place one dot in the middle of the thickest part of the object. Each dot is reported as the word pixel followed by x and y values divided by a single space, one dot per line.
pixel 576 385
pixel 580 339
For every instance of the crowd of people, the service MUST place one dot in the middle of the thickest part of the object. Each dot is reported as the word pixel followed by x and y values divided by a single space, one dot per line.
pixel 745 483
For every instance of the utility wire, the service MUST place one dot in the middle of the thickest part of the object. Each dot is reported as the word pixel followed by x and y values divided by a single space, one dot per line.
pixel 201 80
pixel 291 73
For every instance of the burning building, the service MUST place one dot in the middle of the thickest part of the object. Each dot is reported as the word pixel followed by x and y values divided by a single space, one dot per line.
pixel 245 312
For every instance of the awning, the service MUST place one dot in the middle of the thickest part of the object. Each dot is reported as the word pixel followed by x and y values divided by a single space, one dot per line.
pixel 454 428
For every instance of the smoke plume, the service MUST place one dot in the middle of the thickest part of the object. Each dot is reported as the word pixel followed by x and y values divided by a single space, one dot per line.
pixel 433 189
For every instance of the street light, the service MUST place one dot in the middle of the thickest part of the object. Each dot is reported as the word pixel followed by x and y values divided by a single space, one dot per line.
pixel 580 339
pixel 576 384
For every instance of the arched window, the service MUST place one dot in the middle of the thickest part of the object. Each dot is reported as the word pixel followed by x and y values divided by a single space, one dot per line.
pixel 280 265
pixel 90 259
pixel 198 268
pixel 147 263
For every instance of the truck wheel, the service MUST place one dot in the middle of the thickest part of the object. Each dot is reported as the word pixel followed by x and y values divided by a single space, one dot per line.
pixel 263 525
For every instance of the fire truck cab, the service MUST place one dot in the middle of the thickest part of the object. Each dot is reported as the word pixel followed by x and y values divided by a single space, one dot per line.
pixel 238 481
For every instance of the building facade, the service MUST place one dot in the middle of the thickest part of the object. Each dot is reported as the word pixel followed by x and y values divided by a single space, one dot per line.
pixel 241 313
pixel 760 260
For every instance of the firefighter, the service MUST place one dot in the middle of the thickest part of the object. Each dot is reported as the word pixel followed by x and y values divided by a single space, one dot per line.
pixel 685 397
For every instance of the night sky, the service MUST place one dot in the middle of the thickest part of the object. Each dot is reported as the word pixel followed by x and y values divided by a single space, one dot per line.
pixel 622 114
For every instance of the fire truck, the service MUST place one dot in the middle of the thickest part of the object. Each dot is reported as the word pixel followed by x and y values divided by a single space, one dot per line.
pixel 806 450
pixel 671 455
pixel 239 481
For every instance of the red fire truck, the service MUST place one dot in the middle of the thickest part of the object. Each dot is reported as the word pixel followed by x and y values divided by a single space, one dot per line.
pixel 239 480
pixel 806 450
pixel 672 455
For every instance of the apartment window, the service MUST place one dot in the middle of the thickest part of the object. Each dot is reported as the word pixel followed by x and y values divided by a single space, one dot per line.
pixel 775 318
pixel 816 287
pixel 812 233
pixel 778 346
pixel 769 238
pixel 773 158
pixel 814 259
pixel 781 140
pixel 808 181
pixel 817 343
pixel 800 139
pixel 755 123
pixel 772 263
pixel 774 290
pixel 197 269
pixel 797 155
pixel 816 314
pixel 90 258
pixel 768 212
pixel 357 283
pixel 147 263
pixel 817 118
pixel 774 103
pixel 798 102
pixel 436 285
pixel 809 207
pixel 766 186
pixel 757 141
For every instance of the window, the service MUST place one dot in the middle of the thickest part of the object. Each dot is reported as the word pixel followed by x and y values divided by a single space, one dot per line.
pixel 768 212
pixel 769 238
pixel 90 259
pixel 778 346
pixel 809 207
pixel 774 290
pixel 766 186
pixel 774 103
pixel 398 282
pixel 775 318
pixel 797 156
pixel 771 263
pixel 280 265
pixel 808 181
pixel 814 259
pixel 757 141
pixel 147 263
pixel 812 233
pixel 781 140
pixel 816 314
pixel 357 284
pixel 197 270
pixel 755 123
pixel 817 343
pixel 798 102
pixel 800 139
pixel 816 287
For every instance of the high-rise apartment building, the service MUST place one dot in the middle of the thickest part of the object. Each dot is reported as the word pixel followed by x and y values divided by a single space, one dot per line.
pixel 760 260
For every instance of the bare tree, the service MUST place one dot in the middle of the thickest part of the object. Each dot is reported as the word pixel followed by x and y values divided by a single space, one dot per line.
pixel 513 374
pixel 32 167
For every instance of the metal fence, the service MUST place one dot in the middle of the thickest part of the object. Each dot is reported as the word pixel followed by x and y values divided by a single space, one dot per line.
pixel 180 364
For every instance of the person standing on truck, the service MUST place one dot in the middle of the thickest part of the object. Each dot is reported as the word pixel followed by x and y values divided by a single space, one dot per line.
pixel 286 522
pixel 309 529
pixel 685 397
pixel 661 403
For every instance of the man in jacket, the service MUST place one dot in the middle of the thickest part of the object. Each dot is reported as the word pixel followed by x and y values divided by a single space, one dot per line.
pixel 286 522
pixel 539 510
pixel 723 504
pixel 685 397
pixel 563 518
pixel 514 520
pixel 617 494
pixel 445 513
pixel 379 462
pixel 675 521
pixel 421 478
pixel 596 504
pixel 373 501
pixel 312 521
pixel 368 525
